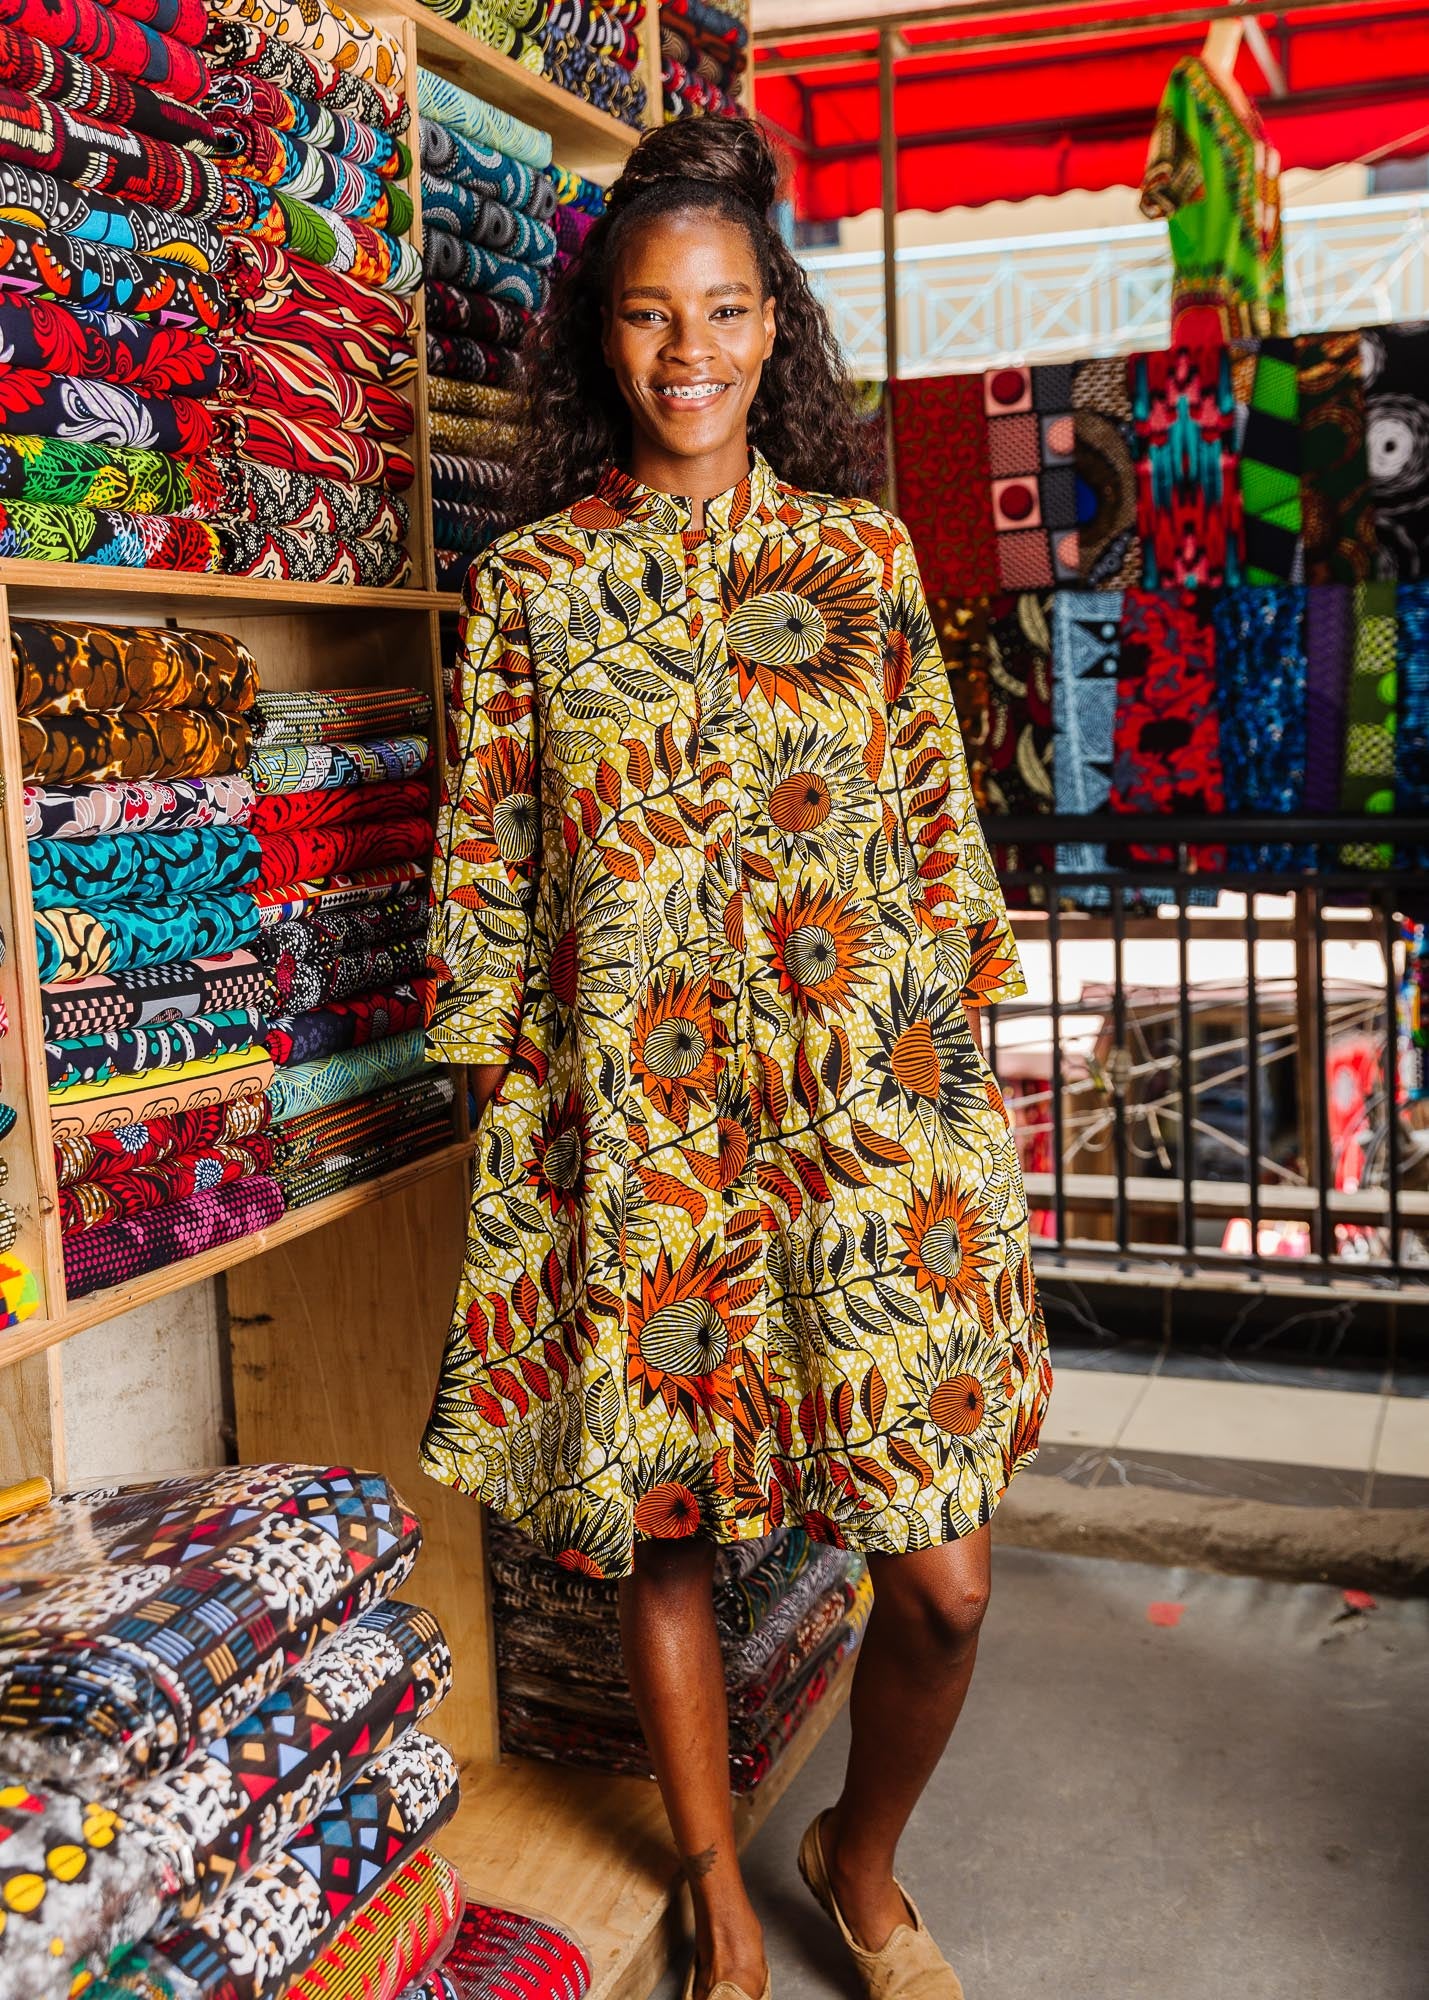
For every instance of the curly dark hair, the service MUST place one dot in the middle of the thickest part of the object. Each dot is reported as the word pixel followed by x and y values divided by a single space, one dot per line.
pixel 803 417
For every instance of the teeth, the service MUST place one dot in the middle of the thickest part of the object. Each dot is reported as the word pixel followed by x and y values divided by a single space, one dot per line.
pixel 696 394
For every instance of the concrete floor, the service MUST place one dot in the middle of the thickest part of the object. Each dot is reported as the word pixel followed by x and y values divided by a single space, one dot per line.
pixel 1233 1808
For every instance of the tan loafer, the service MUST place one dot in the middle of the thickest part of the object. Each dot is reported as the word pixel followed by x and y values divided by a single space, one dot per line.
pixel 909 1966
pixel 723 1989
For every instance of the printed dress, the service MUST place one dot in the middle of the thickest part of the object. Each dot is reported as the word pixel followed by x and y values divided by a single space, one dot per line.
pixel 749 1241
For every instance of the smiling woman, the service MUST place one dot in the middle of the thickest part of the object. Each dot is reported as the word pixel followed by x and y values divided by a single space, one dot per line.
pixel 748 1244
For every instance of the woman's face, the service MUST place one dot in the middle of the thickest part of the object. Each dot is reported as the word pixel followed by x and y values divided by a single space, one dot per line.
pixel 687 332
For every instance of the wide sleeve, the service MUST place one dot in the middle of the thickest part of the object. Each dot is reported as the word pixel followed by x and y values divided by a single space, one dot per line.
pixel 955 880
pixel 1173 165
pixel 488 830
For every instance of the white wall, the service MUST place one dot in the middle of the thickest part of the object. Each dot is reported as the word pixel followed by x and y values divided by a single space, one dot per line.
pixel 143 1394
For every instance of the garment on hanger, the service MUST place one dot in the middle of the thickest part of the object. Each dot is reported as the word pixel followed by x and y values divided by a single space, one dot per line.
pixel 1215 177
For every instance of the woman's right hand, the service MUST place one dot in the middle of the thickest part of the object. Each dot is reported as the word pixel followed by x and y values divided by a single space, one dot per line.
pixel 487 1079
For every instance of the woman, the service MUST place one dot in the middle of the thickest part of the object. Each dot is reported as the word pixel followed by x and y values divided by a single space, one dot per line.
pixel 748 1244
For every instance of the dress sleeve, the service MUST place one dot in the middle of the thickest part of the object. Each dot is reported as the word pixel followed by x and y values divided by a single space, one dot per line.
pixel 488 829
pixel 956 882
pixel 1173 165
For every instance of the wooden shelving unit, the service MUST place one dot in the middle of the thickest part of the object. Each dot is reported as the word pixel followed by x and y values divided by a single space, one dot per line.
pixel 337 1314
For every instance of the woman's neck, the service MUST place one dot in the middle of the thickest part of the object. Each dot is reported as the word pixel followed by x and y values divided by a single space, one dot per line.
pixel 694 479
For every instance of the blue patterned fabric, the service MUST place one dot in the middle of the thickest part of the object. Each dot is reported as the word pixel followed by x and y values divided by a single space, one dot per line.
pixel 1261 691
pixel 1085 625
pixel 142 867
pixel 118 937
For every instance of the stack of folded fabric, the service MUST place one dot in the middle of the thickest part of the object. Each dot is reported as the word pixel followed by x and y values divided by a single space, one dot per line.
pixel 703 51
pixel 503 1955
pixel 488 204
pixel 579 204
pixel 110 292
pixel 212 1779
pixel 311 427
pixel 789 1611
pixel 592 49
pixel 513 27
pixel 141 861
pixel 343 821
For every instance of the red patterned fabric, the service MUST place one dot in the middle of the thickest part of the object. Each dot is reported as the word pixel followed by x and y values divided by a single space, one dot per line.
pixel 156 360
pixel 297 378
pixel 367 333
pixel 1166 738
pixel 300 856
pixel 125 46
pixel 944 486
pixel 1188 508
pixel 32 65
pixel 94 1204
pixel 185 20
pixel 348 805
pixel 91 153
pixel 325 450
pixel 106 1156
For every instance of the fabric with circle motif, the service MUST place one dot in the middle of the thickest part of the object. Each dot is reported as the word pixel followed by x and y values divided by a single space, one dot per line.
pixel 1031 450
pixel 1166 737
pixel 151 1094
pixel 329 32
pixel 452 156
pixel 46 264
pixel 1108 545
pixel 113 1255
pixel 1086 626
pixel 109 1155
pixel 240 46
pixel 97 1204
pixel 34 66
pixel 308 974
pixel 1261 678
pixel 1336 500
pixel 483 218
pixel 1188 487
pixel 1394 365
pixel 112 39
pixel 312 1034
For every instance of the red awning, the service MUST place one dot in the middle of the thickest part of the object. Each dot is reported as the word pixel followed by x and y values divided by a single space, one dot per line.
pixel 1002 123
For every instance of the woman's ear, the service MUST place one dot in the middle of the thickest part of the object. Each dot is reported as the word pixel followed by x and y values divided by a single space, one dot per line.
pixel 770 328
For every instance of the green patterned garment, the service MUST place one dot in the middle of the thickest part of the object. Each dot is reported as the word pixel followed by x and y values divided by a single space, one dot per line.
pixel 1368 784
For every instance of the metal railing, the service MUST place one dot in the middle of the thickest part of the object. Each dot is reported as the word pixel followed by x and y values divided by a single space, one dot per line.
pixel 1107 291
pixel 1206 1074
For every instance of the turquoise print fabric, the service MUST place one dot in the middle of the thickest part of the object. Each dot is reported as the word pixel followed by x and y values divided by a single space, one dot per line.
pixel 350 1073
pixel 142 867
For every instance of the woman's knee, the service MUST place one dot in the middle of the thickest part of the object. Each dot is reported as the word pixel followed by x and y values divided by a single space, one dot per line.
pixel 938 1597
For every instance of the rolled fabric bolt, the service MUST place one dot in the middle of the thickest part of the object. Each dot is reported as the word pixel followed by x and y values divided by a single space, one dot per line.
pixel 9 1226
pixel 7 1120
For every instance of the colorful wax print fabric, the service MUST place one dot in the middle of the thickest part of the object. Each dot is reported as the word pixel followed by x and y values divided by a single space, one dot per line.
pixel 129 744
pixel 110 38
pixel 469 266
pixel 76 812
pixel 30 195
pixel 445 103
pixel 1086 647
pixel 139 1626
pixel 474 437
pixel 350 1073
pixel 335 715
pixel 336 1171
pixel 1394 367
pixel 393 1940
pixel 333 892
pixel 1270 468
pixel 473 399
pixel 99 1157
pixel 503 1952
pixel 163 1236
pixel 452 310
pixel 238 44
pixel 180 990
pixel 61 667
pixel 92 154
pixel 940 447
pixel 1017 753
pixel 319 236
pixel 347 1024
pixel 123 1051
pixel 961 627
pixel 242 96
pixel 1188 493
pixel 1166 738
pixel 160 1094
pixel 451 155
pixel 331 33
pixel 1031 451
pixel 1371 714
pixel 40 263
pixel 173 1846
pixel 269 1927
pixel 367 332
pixel 1216 180
pixel 1411 733
pixel 1337 506
pixel 1108 546
pixel 456 477
pixel 1329 644
pixel 290 376
pixel 348 805
pixel 142 867
pixel 277 496
pixel 1261 675
pixel 155 360
pixel 304 854
pixel 325 451
pixel 72 942
pixel 464 360
pixel 788 1083
pixel 70 473
pixel 482 218
pixel 36 404
pixel 374 1120
pixel 33 66
pixel 98 535
pixel 307 556
pixel 326 179
pixel 97 1204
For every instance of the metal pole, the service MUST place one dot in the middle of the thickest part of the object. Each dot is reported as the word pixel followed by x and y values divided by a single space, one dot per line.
pixel 888 159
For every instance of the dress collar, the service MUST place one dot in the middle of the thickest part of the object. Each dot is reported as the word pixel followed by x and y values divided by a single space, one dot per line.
pixel 622 502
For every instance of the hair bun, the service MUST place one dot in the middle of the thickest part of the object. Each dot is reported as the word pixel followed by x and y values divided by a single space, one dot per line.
pixel 732 153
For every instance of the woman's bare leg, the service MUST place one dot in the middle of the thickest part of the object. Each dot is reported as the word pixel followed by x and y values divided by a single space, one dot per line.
pixel 913 1672
pixel 667 1630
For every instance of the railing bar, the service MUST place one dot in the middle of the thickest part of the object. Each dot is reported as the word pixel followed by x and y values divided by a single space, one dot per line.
pixel 1184 1031
pixel 1059 1137
pixel 1325 1166
pixel 1391 1076
pixel 1118 929
pixel 1252 1036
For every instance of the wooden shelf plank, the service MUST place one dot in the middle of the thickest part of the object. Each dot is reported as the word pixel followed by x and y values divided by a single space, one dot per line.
pixel 33 1336
pixel 596 1852
pixel 583 137
pixel 210 594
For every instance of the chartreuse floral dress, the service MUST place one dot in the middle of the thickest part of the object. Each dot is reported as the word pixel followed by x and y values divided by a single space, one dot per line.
pixel 748 1242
